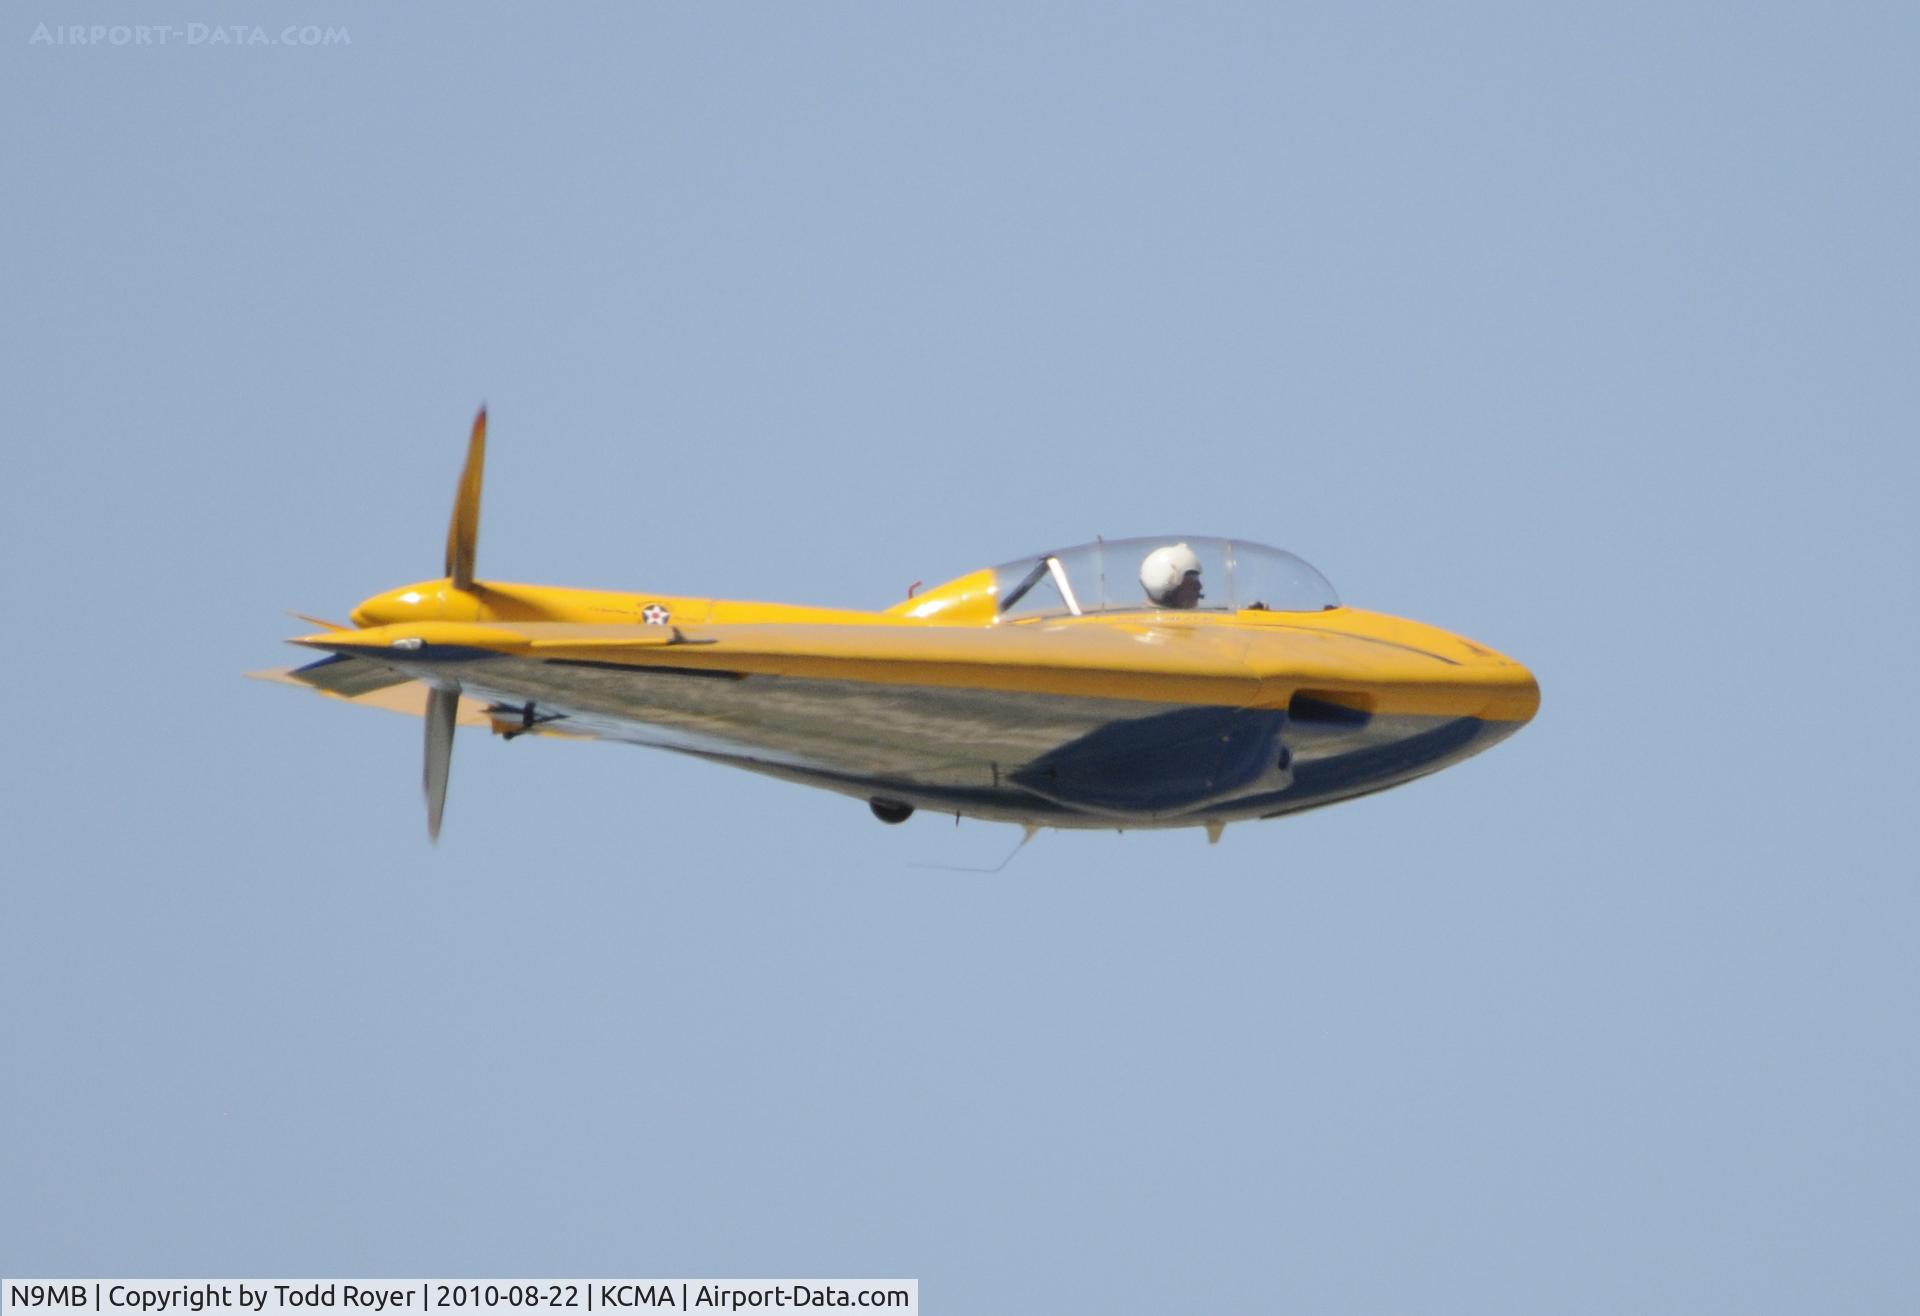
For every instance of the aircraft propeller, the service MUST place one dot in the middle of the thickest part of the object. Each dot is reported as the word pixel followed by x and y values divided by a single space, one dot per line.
pixel 463 532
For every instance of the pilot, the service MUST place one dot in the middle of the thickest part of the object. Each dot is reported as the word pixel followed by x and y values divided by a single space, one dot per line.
pixel 1171 576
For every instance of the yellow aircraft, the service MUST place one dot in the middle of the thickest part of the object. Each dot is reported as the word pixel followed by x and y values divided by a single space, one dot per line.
pixel 1177 681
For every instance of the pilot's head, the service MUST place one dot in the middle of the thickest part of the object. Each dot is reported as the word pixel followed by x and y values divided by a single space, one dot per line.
pixel 1171 576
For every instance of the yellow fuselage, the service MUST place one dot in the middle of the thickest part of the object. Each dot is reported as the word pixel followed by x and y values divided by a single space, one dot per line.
pixel 939 702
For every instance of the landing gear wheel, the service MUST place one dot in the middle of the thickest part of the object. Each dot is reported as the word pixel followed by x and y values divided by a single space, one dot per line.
pixel 890 811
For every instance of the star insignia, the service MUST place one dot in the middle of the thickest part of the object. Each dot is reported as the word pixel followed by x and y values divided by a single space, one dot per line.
pixel 655 615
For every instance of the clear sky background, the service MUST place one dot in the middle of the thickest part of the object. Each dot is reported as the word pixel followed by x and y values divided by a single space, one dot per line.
pixel 1588 332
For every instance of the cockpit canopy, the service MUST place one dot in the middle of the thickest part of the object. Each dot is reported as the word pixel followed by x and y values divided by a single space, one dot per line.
pixel 1105 576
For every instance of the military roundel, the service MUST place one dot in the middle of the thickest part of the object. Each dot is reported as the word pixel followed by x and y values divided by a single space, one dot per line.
pixel 655 615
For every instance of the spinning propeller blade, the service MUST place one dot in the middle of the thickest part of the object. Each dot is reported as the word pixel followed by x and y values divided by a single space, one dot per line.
pixel 442 705
pixel 465 527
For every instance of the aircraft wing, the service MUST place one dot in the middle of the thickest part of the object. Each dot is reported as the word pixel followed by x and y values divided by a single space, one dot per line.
pixel 876 702
pixel 1156 664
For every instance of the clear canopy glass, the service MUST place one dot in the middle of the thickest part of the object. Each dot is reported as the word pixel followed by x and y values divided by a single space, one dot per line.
pixel 1106 576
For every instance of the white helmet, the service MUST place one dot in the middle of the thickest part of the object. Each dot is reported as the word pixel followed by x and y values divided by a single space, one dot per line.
pixel 1165 569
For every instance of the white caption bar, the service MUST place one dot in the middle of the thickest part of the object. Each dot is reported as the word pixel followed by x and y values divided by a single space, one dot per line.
pixel 416 1297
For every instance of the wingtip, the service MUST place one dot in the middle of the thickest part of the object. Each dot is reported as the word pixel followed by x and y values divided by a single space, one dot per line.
pixel 332 641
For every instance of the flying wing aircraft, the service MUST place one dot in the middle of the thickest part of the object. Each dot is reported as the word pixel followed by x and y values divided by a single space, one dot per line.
pixel 1170 681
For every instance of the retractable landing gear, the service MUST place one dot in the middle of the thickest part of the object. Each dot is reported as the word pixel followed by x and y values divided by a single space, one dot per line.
pixel 890 811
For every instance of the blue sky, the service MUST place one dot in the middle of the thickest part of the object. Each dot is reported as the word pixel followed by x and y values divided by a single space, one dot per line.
pixel 1587 333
